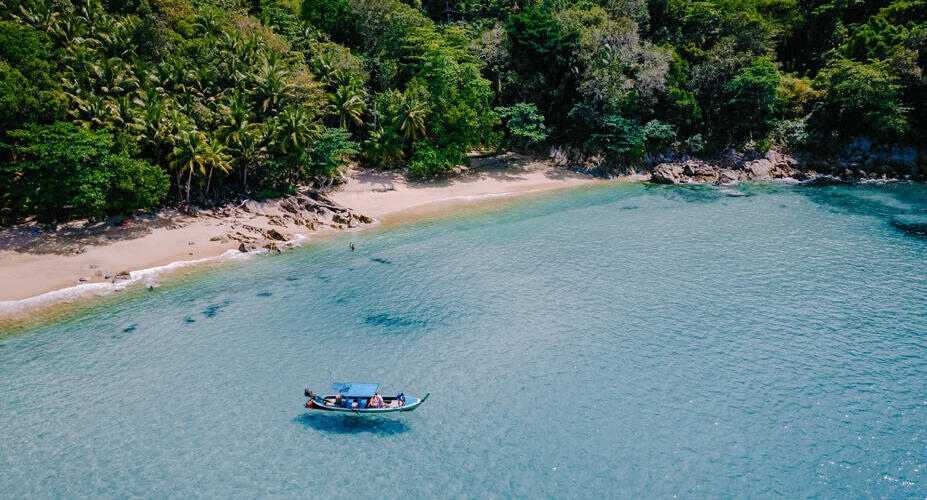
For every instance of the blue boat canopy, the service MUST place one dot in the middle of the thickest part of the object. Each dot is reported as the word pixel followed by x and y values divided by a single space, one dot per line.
pixel 355 389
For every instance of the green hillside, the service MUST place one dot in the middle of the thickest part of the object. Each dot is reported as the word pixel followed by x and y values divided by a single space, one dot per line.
pixel 116 105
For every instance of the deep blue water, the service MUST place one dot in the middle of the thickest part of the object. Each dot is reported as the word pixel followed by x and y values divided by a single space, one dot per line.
pixel 621 341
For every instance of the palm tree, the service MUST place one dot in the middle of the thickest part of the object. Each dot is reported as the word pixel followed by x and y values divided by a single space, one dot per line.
pixel 270 85
pixel 384 147
pixel 91 111
pixel 190 149
pixel 251 146
pixel 236 119
pixel 348 106
pixel 123 110
pixel 411 118
pixel 294 129
pixel 113 76
pixel 43 18
pixel 207 20
pixel 216 157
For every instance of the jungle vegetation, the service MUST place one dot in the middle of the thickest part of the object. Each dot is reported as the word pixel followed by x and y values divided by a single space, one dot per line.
pixel 113 105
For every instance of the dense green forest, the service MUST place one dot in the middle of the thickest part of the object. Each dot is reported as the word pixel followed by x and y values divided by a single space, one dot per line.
pixel 112 105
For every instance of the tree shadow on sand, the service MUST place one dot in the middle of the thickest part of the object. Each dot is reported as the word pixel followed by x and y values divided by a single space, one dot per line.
pixel 352 424
pixel 70 237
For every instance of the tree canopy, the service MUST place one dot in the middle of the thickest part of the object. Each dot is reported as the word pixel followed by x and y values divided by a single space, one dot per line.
pixel 103 103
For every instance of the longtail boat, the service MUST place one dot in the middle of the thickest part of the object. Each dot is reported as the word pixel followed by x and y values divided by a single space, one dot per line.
pixel 357 397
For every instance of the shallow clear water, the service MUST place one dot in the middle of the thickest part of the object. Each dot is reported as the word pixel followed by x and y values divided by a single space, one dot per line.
pixel 625 341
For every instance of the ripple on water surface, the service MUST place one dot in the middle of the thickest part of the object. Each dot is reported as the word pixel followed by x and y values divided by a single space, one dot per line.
pixel 625 341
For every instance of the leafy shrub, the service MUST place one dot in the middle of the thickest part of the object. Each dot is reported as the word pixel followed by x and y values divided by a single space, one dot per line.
pixel 694 144
pixel 622 136
pixel 430 161
pixel 752 98
pixel 859 99
pixel 330 151
pixel 658 135
pixel 524 125
pixel 62 170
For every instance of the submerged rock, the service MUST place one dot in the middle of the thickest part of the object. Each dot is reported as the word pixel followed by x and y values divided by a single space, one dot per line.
pixel 914 229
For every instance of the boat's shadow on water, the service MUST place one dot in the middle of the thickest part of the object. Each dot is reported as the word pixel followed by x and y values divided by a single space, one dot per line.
pixel 351 424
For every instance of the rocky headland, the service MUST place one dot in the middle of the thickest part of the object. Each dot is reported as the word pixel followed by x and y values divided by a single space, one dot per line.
pixel 860 162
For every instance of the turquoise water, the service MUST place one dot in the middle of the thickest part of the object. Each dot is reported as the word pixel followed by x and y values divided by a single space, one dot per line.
pixel 621 341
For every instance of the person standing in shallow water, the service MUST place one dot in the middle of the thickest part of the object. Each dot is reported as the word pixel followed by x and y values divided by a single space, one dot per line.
pixel 351 245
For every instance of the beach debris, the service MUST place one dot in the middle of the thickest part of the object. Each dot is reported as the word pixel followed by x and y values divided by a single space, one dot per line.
pixel 243 247
pixel 93 266
pixel 273 247
pixel 215 238
pixel 83 278
pixel 108 276
pixel 122 275
pixel 192 243
pixel 98 273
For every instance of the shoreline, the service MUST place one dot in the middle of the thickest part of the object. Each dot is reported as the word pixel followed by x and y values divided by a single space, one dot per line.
pixel 80 261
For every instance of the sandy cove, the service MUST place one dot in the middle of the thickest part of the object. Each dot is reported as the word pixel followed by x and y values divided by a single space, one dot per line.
pixel 78 254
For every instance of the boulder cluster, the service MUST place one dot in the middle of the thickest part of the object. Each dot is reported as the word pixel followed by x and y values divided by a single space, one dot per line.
pixel 730 170
pixel 859 162
pixel 310 209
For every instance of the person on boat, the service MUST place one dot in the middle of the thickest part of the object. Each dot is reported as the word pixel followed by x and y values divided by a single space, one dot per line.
pixel 401 399
pixel 339 400
pixel 376 401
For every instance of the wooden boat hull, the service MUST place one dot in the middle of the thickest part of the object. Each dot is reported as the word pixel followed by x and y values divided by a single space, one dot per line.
pixel 411 404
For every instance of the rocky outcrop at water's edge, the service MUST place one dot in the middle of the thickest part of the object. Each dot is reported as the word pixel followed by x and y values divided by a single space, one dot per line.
pixel 310 209
pixel 861 161
pixel 858 161
pixel 730 170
